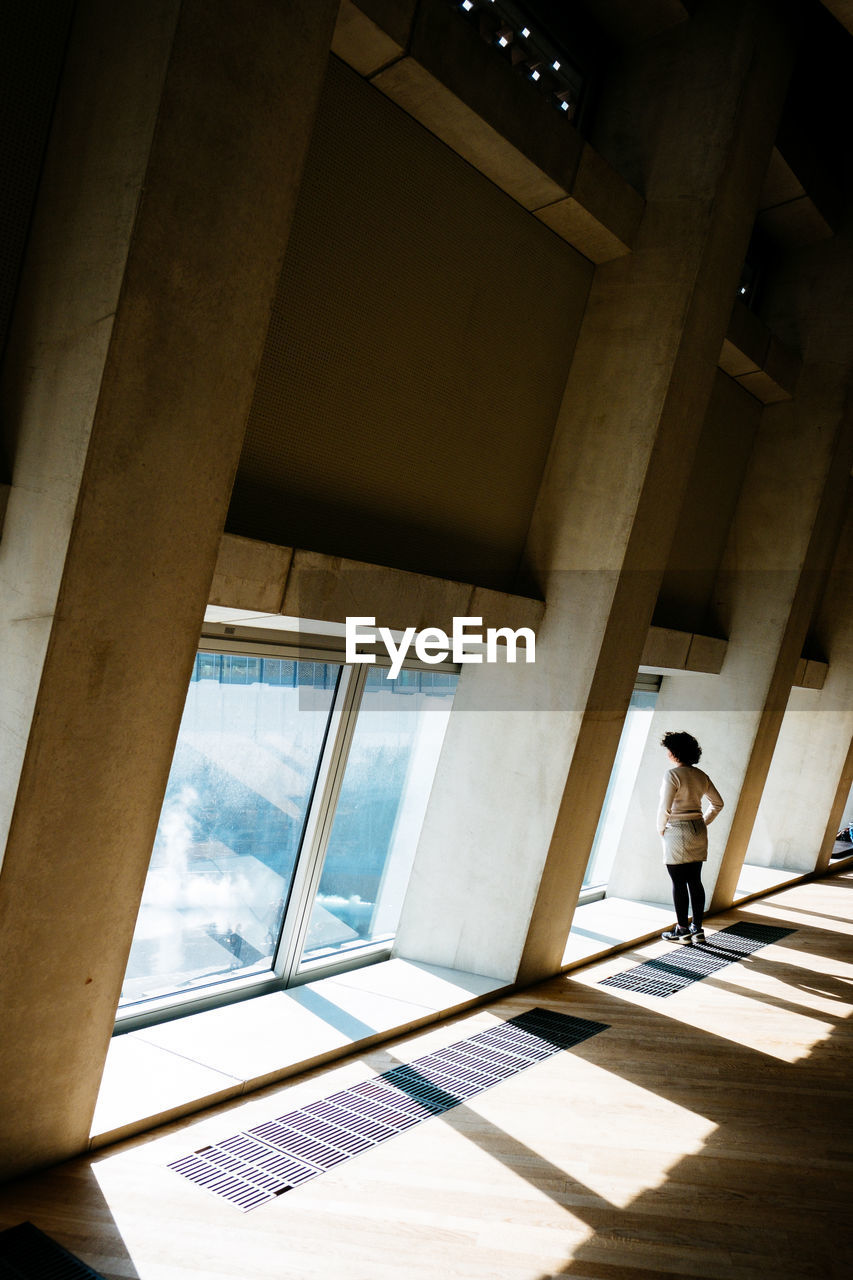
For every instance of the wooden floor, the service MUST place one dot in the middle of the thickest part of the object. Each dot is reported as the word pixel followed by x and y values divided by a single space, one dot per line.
pixel 706 1134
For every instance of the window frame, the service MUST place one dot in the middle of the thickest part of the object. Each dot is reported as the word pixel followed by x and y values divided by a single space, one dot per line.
pixel 645 682
pixel 287 969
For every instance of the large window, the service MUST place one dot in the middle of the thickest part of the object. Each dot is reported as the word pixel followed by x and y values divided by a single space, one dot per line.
pixel 635 732
pixel 289 825
pixel 379 812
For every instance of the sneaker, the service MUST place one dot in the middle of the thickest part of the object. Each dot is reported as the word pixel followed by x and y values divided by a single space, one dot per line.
pixel 684 936
pixel 698 935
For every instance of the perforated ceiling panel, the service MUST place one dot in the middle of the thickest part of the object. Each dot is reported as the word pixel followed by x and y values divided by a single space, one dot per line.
pixel 416 356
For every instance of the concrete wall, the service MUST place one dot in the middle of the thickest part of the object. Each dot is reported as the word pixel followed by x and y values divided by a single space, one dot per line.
pixel 154 265
pixel 416 355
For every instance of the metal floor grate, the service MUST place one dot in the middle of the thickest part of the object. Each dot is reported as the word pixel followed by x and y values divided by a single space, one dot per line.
pixel 664 975
pixel 271 1158
pixel 28 1254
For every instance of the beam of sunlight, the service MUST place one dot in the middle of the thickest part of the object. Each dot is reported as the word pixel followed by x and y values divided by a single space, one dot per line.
pixel 762 986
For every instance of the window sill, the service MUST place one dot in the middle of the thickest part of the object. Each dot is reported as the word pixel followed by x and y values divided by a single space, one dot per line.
pixel 160 1073
pixel 755 880
pixel 599 928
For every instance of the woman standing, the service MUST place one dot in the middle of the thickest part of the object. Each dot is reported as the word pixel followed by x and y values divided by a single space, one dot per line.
pixel 683 823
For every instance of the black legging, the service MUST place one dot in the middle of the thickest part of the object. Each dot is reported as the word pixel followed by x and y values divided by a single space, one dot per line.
pixel 687 883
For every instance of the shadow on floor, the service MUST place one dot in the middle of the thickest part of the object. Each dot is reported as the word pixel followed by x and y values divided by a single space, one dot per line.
pixel 67 1204
pixel 767 1193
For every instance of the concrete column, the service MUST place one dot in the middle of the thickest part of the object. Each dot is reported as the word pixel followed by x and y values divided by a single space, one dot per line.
pixel 701 196
pixel 841 812
pixel 798 804
pixel 802 503
pixel 495 885
pixel 90 189
pixel 146 422
pixel 779 550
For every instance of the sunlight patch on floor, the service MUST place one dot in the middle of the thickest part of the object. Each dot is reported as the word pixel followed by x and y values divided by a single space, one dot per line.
pixel 776 1014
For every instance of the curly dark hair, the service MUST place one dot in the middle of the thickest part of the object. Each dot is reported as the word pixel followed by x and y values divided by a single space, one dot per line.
pixel 683 746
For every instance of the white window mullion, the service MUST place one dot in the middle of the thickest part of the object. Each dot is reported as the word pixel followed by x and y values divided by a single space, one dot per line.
pixel 319 824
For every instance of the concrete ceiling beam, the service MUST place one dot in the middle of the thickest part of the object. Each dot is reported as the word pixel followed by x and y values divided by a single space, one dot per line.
pixel 440 72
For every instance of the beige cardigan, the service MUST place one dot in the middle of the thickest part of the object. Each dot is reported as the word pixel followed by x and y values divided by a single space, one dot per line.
pixel 682 792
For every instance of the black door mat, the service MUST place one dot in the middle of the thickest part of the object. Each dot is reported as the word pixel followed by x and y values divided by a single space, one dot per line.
pixel 667 974
pixel 271 1158
pixel 28 1254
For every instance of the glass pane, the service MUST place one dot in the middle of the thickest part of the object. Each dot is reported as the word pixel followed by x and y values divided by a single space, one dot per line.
pixel 389 773
pixel 632 743
pixel 232 821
